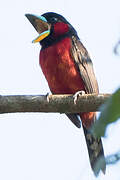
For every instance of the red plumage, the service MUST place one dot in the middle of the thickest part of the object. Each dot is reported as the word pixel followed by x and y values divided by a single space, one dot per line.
pixel 59 68
pixel 61 72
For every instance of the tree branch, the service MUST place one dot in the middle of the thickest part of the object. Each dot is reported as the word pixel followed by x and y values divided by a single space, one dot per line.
pixel 57 103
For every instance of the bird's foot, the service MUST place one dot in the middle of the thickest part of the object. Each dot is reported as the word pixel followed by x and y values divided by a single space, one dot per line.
pixel 77 94
pixel 47 97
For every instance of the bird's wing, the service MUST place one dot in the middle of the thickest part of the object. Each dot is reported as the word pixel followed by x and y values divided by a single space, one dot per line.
pixel 84 65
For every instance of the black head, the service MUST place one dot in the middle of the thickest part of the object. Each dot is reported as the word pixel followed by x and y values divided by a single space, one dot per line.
pixel 54 17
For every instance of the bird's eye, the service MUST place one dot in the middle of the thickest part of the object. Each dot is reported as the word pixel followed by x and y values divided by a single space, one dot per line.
pixel 53 19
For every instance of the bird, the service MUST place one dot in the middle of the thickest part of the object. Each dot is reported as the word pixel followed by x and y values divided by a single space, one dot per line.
pixel 68 69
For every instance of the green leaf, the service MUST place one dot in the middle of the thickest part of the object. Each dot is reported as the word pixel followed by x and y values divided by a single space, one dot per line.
pixel 110 113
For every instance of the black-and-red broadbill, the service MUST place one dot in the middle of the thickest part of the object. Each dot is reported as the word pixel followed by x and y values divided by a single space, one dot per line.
pixel 68 69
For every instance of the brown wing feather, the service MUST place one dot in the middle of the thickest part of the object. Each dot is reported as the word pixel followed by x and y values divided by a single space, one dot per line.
pixel 84 65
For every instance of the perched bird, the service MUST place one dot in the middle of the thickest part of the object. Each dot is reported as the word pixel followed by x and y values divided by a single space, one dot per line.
pixel 68 69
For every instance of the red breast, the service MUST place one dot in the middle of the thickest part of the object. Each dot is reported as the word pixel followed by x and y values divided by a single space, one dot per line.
pixel 59 68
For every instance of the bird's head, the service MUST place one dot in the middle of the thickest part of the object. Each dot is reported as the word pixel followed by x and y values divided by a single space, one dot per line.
pixel 51 27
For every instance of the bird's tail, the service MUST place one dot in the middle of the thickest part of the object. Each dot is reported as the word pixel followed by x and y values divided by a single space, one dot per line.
pixel 95 149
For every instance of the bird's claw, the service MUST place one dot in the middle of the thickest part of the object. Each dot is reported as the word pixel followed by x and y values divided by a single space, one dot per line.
pixel 77 94
pixel 47 97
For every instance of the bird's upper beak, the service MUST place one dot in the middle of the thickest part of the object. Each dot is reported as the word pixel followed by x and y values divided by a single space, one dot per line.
pixel 41 25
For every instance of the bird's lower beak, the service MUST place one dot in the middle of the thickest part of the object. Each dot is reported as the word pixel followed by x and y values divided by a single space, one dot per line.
pixel 41 25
